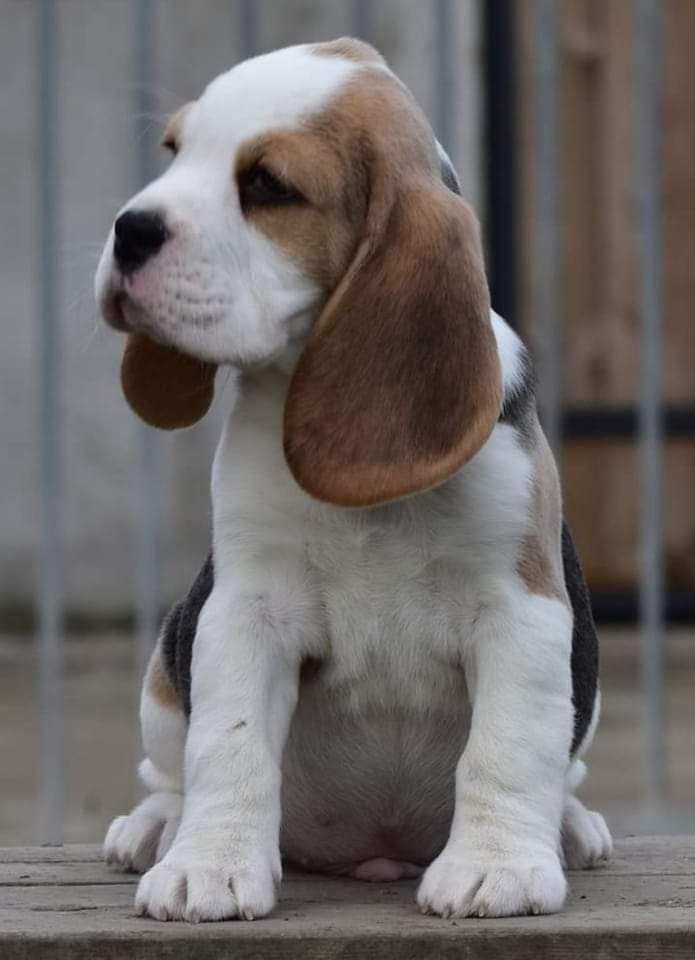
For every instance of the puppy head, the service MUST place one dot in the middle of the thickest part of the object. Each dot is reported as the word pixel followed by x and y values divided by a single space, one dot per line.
pixel 304 221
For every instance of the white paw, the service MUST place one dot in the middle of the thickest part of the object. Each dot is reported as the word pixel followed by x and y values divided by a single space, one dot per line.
pixel 197 887
pixel 135 842
pixel 586 840
pixel 460 884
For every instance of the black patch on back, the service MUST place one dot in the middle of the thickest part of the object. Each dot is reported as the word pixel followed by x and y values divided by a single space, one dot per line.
pixel 584 641
pixel 519 405
pixel 178 633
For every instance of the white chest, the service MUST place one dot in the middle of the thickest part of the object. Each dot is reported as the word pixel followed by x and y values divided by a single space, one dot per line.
pixel 389 594
pixel 396 608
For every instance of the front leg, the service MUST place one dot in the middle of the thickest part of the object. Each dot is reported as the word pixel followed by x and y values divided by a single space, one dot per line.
pixel 502 855
pixel 225 860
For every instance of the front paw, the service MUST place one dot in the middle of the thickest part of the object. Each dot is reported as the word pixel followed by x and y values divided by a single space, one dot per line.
pixel 200 886
pixel 463 884
pixel 135 842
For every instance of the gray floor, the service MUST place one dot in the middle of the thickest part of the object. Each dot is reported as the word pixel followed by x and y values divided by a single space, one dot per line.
pixel 102 738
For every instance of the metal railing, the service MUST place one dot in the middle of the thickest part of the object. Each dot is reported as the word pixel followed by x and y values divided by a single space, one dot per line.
pixel 50 427
pixel 648 126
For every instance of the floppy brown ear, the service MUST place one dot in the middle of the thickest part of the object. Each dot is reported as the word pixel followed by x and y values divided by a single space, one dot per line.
pixel 400 383
pixel 164 387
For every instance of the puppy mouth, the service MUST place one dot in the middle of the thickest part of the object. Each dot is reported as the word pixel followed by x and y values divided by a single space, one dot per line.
pixel 122 312
pixel 112 304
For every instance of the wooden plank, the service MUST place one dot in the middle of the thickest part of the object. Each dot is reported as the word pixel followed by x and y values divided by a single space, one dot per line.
pixel 601 504
pixel 679 206
pixel 641 906
pixel 598 274
pixel 71 853
pixel 69 873
pixel 600 307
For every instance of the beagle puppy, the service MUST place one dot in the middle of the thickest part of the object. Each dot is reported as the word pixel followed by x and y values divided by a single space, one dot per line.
pixel 387 667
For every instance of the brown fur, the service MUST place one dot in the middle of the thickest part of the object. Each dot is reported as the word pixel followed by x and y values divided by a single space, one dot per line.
pixel 166 389
pixel 329 160
pixel 158 684
pixel 540 560
pixel 320 233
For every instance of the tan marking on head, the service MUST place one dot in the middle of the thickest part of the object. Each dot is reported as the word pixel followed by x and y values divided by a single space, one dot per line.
pixel 349 48
pixel 172 131
pixel 158 684
pixel 320 233
pixel 373 127
pixel 540 558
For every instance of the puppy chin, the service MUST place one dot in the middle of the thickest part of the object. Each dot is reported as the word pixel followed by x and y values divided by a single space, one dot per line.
pixel 123 313
pixel 120 310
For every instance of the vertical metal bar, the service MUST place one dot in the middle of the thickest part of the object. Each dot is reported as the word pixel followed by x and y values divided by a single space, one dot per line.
pixel 444 75
pixel 548 339
pixel 148 527
pixel 501 154
pixel 50 585
pixel 362 20
pixel 249 27
pixel 648 188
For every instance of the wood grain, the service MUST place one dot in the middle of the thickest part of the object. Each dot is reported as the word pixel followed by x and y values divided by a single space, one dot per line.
pixel 62 904
pixel 600 309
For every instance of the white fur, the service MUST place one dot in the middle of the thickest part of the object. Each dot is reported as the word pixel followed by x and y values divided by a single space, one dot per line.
pixel 440 717
pixel 510 349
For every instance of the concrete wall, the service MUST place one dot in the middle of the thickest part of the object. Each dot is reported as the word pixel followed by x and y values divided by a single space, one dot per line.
pixel 194 41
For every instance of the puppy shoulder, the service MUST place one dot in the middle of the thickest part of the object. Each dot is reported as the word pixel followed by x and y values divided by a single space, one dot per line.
pixel 539 561
pixel 518 381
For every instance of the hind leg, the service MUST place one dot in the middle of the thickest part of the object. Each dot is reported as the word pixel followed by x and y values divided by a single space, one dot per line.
pixel 136 841
pixel 586 840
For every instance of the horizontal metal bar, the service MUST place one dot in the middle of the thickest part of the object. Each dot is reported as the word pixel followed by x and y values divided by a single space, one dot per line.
pixel 623 606
pixel 599 423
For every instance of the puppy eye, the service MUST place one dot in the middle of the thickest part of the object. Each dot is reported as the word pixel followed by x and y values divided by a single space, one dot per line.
pixel 171 145
pixel 258 187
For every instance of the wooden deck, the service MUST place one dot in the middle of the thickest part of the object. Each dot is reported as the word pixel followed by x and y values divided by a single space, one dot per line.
pixel 63 904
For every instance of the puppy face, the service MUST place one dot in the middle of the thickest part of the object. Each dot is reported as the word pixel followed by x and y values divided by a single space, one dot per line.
pixel 304 221
pixel 258 212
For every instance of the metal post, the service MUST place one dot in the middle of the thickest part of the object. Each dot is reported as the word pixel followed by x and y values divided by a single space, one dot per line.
pixel 148 527
pixel 501 154
pixel 548 339
pixel 362 25
pixel 50 584
pixel 648 178
pixel 249 27
pixel 444 75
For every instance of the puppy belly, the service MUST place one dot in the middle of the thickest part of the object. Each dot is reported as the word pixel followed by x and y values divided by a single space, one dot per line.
pixel 372 796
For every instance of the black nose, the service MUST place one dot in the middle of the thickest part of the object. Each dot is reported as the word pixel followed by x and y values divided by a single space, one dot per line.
pixel 139 235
